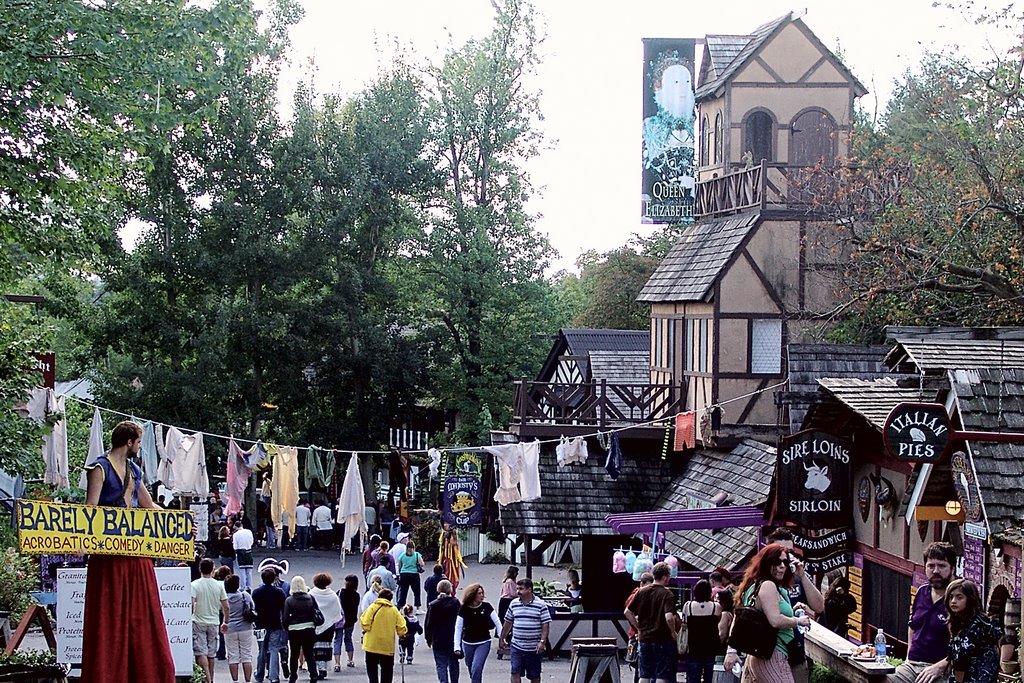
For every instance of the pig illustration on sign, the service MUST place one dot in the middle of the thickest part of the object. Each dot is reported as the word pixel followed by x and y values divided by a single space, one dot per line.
pixel 818 478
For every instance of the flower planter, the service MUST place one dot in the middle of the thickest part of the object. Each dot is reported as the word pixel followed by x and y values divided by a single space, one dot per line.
pixel 29 673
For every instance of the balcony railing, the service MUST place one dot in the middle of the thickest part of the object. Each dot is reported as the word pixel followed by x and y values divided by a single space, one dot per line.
pixel 597 404
pixel 765 187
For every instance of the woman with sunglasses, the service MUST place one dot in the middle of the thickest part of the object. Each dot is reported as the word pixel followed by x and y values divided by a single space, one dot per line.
pixel 767 581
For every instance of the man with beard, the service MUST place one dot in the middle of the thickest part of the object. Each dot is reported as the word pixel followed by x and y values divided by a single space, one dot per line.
pixel 928 632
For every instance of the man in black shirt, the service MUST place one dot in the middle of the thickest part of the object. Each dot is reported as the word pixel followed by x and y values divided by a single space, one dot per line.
pixel 269 602
pixel 439 632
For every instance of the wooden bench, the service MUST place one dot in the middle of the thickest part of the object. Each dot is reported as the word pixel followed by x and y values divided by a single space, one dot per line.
pixel 833 652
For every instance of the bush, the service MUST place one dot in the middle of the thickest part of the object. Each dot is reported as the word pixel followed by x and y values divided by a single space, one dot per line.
pixel 820 674
pixel 18 576
pixel 495 557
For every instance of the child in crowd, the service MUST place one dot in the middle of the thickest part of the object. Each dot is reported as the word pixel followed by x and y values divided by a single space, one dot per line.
pixel 407 643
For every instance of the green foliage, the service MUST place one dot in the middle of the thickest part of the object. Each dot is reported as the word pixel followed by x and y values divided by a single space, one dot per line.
pixel 20 439
pixel 18 576
pixel 934 208
pixel 821 674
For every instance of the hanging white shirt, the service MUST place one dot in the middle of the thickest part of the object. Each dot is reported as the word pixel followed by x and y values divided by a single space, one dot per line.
pixel 95 447
pixel 185 458
pixel 529 483
pixel 55 444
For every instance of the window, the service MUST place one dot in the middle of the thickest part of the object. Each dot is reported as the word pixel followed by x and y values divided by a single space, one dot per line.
pixel 697 353
pixel 718 138
pixel 766 347
pixel 886 601
pixel 758 134
pixel 705 136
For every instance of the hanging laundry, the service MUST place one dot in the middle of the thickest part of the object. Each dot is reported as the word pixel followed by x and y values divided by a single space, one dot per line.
pixel 614 461
pixel 95 447
pixel 685 431
pixel 238 478
pixel 55 444
pixel 352 503
pixel 285 482
pixel 435 461
pixel 148 453
pixel 255 456
pixel 562 452
pixel 330 464
pixel 529 482
pixel 510 471
pixel 314 466
pixel 577 452
pixel 37 405
pixel 183 468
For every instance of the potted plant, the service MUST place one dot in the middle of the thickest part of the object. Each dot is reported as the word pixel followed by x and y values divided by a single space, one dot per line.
pixel 31 666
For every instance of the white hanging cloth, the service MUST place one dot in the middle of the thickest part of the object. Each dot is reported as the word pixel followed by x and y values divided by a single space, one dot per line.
pixel 435 461
pixel 351 505
pixel 96 448
pixel 55 444
pixel 183 468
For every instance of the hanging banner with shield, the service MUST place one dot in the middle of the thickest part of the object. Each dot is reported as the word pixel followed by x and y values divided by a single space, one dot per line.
pixel 461 504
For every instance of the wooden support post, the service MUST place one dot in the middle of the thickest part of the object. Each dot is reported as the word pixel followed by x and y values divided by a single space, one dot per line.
pixel 34 613
pixel 529 551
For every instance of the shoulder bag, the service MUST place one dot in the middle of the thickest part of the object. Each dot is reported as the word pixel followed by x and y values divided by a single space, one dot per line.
pixel 248 609
pixel 751 633
pixel 683 639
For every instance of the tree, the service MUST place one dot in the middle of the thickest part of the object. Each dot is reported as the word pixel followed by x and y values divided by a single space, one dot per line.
pixel 482 290
pixel 932 214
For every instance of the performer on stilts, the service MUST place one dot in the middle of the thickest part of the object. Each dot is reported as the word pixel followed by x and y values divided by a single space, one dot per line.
pixel 124 638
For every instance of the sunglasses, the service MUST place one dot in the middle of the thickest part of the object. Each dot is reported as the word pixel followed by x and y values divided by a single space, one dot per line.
pixel 784 562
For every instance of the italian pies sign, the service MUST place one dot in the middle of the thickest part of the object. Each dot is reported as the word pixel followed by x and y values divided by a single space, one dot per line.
pixel 917 432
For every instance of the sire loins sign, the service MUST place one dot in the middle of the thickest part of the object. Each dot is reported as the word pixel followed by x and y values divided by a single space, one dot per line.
pixel 813 475
pixel 917 432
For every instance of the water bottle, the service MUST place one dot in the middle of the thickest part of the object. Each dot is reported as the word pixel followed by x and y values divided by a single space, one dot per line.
pixel 798 614
pixel 881 648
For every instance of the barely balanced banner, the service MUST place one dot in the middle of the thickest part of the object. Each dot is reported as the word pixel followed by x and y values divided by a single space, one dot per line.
pixel 45 527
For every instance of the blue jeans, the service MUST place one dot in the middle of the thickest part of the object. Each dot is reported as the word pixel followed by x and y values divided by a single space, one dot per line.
pixel 245 578
pixel 699 668
pixel 658 659
pixel 344 636
pixel 447 667
pixel 270 653
pixel 301 537
pixel 476 657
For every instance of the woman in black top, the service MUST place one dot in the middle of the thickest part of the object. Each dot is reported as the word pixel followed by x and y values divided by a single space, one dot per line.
pixel 349 596
pixel 473 630
pixel 839 605
pixel 300 621
pixel 701 615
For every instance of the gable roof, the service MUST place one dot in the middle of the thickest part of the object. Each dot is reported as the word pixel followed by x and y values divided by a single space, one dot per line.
pixel 872 399
pixel 691 267
pixel 937 355
pixel 992 400
pixel 708 473
pixel 576 499
pixel 755 41
pixel 807 363
pixel 719 53
pixel 584 341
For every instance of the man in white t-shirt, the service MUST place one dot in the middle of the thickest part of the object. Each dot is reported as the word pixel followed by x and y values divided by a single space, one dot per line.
pixel 398 549
pixel 324 528
pixel 242 540
pixel 208 596
pixel 302 517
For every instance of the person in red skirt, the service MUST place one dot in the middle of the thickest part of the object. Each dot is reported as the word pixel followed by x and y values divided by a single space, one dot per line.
pixel 124 638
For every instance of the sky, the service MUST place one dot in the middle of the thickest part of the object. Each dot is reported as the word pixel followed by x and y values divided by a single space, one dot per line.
pixel 587 179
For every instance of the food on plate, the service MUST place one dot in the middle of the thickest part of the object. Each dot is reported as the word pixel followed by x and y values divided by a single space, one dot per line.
pixel 863 652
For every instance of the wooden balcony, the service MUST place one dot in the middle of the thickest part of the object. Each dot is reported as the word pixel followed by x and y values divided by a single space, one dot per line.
pixel 767 188
pixel 545 409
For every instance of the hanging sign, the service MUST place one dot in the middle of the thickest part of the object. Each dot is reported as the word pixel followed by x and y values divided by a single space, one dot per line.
pixel 45 528
pixel 864 498
pixel 917 432
pixel 461 504
pixel 813 481
pixel 827 564
pixel 965 486
pixel 821 546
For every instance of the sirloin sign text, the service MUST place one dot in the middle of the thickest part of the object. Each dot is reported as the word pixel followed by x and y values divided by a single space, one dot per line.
pixel 814 480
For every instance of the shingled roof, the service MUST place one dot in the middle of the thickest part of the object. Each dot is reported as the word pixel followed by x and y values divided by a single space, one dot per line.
pixel 807 363
pixel 932 355
pixel 745 474
pixel 719 51
pixel 690 269
pixel 575 499
pixel 585 342
pixel 873 399
pixel 993 400
pixel 756 39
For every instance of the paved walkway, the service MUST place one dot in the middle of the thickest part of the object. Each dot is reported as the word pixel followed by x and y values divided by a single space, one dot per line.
pixel 422 671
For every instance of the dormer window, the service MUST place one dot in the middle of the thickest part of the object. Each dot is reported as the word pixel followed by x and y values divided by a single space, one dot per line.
pixel 758 136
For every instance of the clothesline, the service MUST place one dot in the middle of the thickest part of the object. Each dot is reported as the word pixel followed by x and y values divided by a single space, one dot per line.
pixel 661 421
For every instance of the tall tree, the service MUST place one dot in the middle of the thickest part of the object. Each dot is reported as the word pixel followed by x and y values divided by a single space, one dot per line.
pixel 930 220
pixel 481 259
